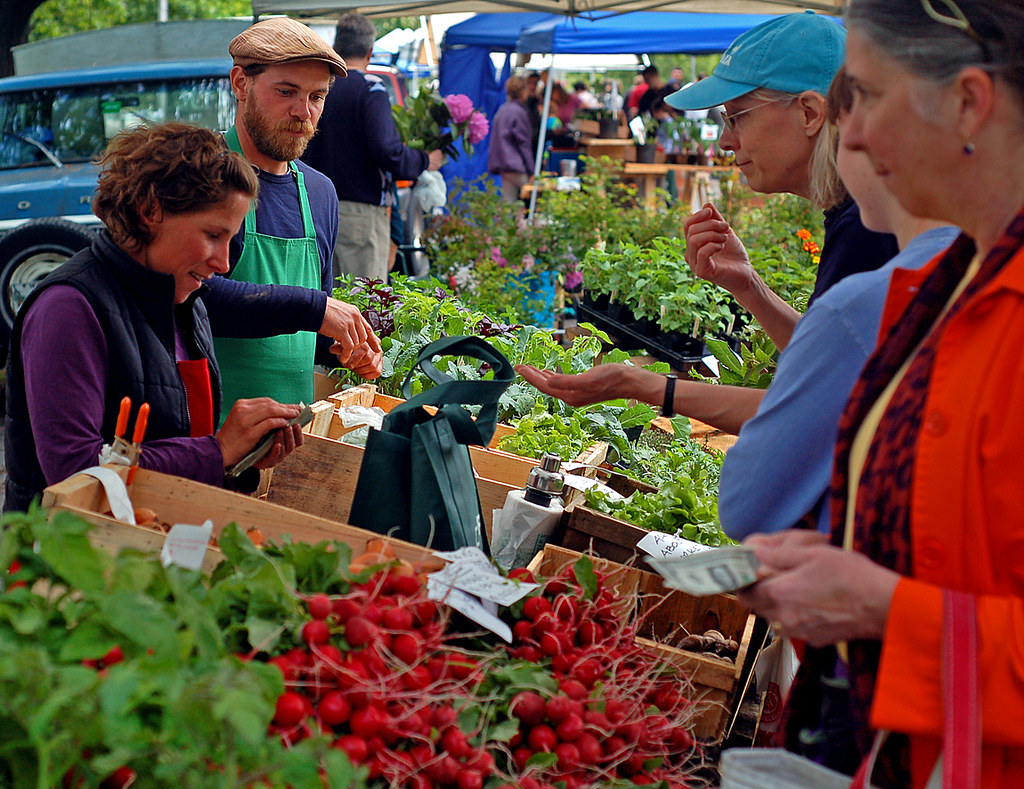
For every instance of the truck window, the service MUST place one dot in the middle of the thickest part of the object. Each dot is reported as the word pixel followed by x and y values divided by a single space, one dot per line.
pixel 76 123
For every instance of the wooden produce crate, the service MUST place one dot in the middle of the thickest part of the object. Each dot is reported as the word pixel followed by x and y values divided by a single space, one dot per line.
pixel 489 463
pixel 179 500
pixel 320 478
pixel 713 683
pixel 585 529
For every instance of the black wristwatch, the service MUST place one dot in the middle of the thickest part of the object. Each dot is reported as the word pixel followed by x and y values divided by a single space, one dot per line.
pixel 668 407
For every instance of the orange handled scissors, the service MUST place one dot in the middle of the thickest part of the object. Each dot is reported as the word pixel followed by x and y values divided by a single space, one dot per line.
pixel 133 450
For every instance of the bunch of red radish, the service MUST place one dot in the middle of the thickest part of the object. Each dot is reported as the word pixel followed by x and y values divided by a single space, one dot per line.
pixel 378 673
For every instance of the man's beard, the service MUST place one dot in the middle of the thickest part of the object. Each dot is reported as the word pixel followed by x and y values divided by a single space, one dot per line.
pixel 272 140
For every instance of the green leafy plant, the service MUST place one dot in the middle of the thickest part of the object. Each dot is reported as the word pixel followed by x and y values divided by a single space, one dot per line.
pixel 754 367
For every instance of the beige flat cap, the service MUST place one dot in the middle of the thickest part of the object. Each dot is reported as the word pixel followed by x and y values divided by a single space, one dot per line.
pixel 283 40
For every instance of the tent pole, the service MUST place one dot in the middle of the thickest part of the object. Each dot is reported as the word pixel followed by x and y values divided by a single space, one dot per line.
pixel 538 162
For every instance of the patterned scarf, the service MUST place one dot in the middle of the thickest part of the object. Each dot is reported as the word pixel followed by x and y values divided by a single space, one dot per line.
pixel 882 519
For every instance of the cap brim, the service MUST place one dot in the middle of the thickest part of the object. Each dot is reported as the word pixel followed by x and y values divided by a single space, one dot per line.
pixel 709 92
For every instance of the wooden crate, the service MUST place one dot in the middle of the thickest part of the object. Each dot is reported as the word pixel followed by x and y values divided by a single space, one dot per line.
pixel 320 478
pixel 179 500
pixel 666 616
pixel 585 529
pixel 489 463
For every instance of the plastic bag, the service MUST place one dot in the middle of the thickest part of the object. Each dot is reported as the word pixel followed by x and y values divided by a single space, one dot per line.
pixel 430 190
pixel 775 669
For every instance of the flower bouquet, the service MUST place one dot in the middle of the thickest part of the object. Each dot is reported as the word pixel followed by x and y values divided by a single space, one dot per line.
pixel 427 122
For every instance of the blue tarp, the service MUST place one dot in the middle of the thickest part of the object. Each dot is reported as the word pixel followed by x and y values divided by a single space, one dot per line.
pixel 466 67
pixel 640 32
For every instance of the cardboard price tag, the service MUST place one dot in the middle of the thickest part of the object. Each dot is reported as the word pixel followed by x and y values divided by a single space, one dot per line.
pixel 186 545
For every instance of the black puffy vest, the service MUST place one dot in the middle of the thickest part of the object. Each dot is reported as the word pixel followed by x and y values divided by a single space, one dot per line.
pixel 135 309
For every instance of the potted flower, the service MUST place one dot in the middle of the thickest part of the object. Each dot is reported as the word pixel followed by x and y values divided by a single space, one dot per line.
pixel 645 136
pixel 607 120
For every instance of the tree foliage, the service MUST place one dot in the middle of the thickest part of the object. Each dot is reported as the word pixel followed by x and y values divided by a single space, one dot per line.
pixel 61 17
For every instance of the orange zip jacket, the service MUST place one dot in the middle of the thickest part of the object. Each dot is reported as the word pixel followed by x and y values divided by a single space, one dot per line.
pixel 967 527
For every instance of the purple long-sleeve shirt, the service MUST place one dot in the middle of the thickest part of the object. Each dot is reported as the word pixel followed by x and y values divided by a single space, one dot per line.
pixel 511 133
pixel 66 364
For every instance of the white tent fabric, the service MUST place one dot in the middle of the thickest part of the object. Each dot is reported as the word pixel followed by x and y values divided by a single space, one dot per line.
pixel 311 8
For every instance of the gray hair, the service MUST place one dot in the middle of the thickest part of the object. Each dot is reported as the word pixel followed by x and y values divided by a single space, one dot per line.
pixel 936 51
pixel 354 36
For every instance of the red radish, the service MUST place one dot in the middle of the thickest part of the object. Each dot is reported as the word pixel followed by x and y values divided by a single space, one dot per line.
pixel 354 746
pixel 590 749
pixel 555 586
pixel 334 709
pixel 542 738
pixel 407 585
pixel 588 633
pixel 290 709
pixel 521 574
pixel 368 721
pixel 121 778
pixel 344 608
pixel 417 678
pixel 550 645
pixel 444 716
pixel 315 632
pixel 681 738
pixel 360 631
pixel 535 606
pixel 424 611
pixel 289 670
pixel 560 707
pixel 398 618
pixel 568 755
pixel 455 743
pixel 546 622
pixel 522 630
pixel 565 608
pixel 470 779
pixel 408 648
pixel 570 729
pixel 319 606
pixel 528 707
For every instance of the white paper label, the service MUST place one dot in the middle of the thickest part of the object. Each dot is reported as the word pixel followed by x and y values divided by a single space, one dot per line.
pixel 467 605
pixel 577 482
pixel 475 574
pixel 117 494
pixel 186 545
pixel 660 544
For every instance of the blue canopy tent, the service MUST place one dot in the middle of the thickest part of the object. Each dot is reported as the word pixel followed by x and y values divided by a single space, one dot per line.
pixel 466 67
pixel 649 32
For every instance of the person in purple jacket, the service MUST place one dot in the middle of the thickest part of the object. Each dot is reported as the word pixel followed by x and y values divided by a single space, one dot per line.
pixel 359 148
pixel 511 155
pixel 124 318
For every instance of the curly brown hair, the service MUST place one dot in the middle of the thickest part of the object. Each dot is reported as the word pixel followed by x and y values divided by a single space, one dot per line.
pixel 176 167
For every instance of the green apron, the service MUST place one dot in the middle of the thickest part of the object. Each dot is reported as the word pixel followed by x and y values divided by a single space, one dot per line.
pixel 280 367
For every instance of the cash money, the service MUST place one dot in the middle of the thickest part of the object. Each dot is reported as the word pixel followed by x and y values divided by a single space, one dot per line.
pixel 708 572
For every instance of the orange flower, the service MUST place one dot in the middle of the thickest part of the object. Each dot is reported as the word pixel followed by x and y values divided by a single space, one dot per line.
pixel 812 247
pixel 803 234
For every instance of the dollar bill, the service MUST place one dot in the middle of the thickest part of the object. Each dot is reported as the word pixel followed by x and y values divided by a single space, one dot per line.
pixel 709 572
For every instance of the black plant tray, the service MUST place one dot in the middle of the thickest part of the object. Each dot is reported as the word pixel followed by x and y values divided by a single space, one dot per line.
pixel 680 351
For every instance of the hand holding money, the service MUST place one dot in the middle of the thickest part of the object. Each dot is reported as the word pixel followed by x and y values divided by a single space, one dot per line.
pixel 715 571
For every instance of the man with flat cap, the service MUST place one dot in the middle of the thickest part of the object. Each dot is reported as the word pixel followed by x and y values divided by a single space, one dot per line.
pixel 281 74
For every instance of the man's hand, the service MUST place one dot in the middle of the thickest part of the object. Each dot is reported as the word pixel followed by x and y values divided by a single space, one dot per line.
pixel 250 420
pixel 436 159
pixel 355 344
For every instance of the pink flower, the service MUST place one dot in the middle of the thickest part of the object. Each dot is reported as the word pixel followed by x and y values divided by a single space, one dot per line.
pixel 497 257
pixel 478 128
pixel 460 107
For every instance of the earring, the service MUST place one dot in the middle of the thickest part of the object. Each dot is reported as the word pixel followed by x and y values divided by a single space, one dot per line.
pixel 968 148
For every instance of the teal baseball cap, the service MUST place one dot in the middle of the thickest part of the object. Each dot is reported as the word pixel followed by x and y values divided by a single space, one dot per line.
pixel 791 53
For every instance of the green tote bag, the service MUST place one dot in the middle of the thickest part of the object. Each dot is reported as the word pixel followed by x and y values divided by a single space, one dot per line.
pixel 416 480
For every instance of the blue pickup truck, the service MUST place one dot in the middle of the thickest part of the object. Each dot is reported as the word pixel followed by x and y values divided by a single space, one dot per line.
pixel 52 128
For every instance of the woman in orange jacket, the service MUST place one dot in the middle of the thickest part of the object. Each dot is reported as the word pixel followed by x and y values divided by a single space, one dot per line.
pixel 927 494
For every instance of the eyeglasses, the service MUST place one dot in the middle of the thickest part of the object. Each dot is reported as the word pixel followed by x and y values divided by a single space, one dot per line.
pixel 729 118
pixel 958 20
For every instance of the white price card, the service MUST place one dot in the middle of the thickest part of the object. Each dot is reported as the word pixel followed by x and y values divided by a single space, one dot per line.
pixel 186 545
pixel 468 605
pixel 658 543
pixel 473 573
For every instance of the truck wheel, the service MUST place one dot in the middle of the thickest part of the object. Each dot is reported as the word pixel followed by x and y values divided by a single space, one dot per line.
pixel 30 252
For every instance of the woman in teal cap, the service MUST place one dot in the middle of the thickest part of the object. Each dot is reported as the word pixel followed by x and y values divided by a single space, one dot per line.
pixel 773 80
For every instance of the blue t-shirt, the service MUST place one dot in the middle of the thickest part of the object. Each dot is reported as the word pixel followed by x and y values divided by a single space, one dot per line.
pixel 240 309
pixel 780 467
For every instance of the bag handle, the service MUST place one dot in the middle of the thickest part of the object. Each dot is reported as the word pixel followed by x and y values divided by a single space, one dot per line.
pixel 450 394
pixel 959 764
